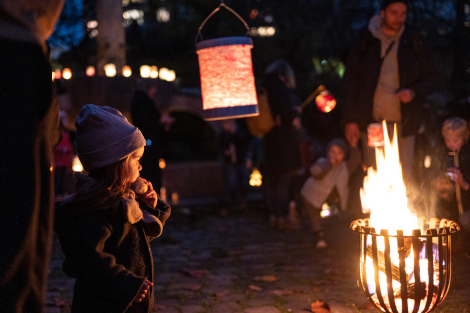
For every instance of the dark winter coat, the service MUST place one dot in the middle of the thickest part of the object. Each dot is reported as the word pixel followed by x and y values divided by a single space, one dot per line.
pixel 109 254
pixel 281 150
pixel 416 71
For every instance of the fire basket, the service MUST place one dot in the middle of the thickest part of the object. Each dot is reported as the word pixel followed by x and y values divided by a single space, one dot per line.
pixel 406 273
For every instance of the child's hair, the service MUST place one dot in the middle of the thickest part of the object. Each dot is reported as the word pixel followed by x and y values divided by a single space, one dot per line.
pixel 109 184
pixel 455 125
pixel 340 142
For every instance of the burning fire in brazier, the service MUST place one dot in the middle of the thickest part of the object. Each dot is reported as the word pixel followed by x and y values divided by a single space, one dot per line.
pixel 406 266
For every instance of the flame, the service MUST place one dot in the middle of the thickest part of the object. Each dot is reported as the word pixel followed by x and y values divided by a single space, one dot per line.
pixel 384 192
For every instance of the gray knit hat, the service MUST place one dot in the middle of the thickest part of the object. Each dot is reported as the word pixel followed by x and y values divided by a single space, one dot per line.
pixel 104 136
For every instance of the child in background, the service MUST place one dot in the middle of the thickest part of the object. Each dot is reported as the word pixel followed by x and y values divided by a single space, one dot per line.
pixel 105 227
pixel 452 186
pixel 328 176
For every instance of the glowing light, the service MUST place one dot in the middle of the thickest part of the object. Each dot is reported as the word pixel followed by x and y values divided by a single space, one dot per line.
pixel 91 24
pixel 171 76
pixel 163 15
pixel 253 14
pixel 66 73
pixel 145 71
pixel 110 70
pixel 53 76
pixel 427 161
pixel 153 71
pixel 256 179
pixel 76 164
pixel 126 71
pixel 57 74
pixel 227 81
pixel 163 73
pixel 161 163
pixel 90 71
pixel 325 101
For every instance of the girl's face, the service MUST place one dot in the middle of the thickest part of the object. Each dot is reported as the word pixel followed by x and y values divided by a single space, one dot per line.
pixel 335 155
pixel 453 142
pixel 133 164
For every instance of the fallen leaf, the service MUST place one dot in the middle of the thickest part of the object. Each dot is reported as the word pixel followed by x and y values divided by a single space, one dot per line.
pixel 269 278
pixel 222 293
pixel 192 287
pixel 320 307
pixel 255 288
pixel 281 293
pixel 196 273
pixel 159 307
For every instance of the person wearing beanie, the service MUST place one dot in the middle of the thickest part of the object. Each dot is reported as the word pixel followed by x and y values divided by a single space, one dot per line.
pixel 328 181
pixel 389 73
pixel 106 226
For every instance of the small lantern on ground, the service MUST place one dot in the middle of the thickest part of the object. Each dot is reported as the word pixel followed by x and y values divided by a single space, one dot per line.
pixel 256 179
pixel 153 72
pixel 145 71
pixel 126 71
pixel 57 74
pixel 226 70
pixel 110 70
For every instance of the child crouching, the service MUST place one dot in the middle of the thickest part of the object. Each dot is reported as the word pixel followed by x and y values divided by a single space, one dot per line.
pixel 105 227
pixel 328 175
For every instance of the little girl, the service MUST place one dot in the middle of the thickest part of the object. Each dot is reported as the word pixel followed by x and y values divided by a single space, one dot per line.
pixel 328 175
pixel 105 227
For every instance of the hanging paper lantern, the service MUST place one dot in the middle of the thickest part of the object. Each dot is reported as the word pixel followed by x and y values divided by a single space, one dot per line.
pixel 227 81
pixel 325 101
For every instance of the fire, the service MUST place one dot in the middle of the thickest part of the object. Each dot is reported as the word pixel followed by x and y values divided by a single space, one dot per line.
pixel 384 192
pixel 384 196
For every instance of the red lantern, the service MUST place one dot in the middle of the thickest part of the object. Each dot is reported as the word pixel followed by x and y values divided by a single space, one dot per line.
pixel 227 80
pixel 325 101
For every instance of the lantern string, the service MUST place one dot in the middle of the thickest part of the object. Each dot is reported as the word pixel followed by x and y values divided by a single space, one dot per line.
pixel 222 4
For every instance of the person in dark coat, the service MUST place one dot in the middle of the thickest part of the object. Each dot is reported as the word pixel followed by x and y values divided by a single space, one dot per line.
pixel 29 132
pixel 146 116
pixel 389 72
pixel 281 152
pixel 105 227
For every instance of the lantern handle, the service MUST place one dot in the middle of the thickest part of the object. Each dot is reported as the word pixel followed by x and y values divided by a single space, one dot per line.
pixel 312 96
pixel 222 4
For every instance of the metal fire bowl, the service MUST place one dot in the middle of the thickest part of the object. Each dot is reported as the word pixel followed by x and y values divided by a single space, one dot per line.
pixel 436 247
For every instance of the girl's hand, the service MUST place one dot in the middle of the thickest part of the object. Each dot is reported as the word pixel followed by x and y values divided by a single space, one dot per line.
pixel 143 291
pixel 457 177
pixel 150 198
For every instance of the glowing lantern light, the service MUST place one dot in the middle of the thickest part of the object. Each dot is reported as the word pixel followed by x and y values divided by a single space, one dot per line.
pixel 110 70
pixel 161 163
pixel 145 71
pixel 90 71
pixel 153 71
pixel 226 70
pixel 255 178
pixel 126 71
pixel 76 164
pixel 66 73
pixel 163 73
pixel 325 101
pixel 57 74
pixel 171 76
pixel 53 76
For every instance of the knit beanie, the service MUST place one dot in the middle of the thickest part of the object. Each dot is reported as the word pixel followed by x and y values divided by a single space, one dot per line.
pixel 386 3
pixel 104 136
pixel 341 143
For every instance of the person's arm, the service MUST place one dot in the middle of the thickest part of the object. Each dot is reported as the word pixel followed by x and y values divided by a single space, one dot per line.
pixel 427 71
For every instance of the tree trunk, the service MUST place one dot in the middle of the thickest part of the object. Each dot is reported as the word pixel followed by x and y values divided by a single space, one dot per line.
pixel 111 41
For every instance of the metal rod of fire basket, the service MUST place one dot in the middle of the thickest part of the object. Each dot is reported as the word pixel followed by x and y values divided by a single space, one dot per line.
pixel 441 268
pixel 375 259
pixel 388 269
pixel 364 285
pixel 402 265
pixel 446 271
pixel 429 256
pixel 417 273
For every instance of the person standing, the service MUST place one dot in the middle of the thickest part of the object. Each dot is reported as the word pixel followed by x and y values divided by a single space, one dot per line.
pixel 29 133
pixel 281 153
pixel 389 72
